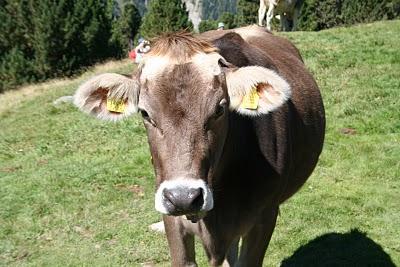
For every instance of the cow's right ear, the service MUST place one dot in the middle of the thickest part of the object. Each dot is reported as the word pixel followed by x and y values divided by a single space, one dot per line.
pixel 108 96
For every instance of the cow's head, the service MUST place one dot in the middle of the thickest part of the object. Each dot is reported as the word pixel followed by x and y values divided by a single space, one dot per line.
pixel 184 91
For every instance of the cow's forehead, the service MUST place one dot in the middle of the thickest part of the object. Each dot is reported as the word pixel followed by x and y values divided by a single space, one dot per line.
pixel 206 63
pixel 188 88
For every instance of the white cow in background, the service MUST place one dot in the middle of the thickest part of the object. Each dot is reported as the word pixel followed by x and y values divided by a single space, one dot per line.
pixel 288 10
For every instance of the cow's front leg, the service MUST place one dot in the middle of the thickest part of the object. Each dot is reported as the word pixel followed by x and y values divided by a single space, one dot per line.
pixel 296 16
pixel 285 23
pixel 181 243
pixel 256 241
pixel 261 12
pixel 232 254
pixel 270 15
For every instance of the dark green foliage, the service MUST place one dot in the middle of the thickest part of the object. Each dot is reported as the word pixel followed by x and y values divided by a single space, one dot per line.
pixel 15 69
pixel 165 16
pixel 213 8
pixel 40 39
pixel 247 12
pixel 125 29
pixel 228 19
pixel 70 34
pixel 141 6
pixel 208 25
pixel 322 14
pixel 16 51
pixel 13 14
pixel 48 42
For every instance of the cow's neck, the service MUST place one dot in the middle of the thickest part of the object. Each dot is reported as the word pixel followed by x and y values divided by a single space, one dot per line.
pixel 238 152
pixel 241 197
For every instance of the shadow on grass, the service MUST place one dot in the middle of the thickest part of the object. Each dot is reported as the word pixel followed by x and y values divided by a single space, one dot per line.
pixel 333 249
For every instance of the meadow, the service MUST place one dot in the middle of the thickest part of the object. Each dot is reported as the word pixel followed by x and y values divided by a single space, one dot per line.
pixel 75 191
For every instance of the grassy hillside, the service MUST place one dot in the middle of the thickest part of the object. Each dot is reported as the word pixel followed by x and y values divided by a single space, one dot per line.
pixel 75 191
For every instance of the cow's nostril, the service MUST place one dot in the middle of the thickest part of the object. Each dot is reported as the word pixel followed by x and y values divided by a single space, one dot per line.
pixel 197 199
pixel 170 196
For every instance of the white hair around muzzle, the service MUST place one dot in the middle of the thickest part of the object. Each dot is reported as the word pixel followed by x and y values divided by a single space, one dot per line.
pixel 188 183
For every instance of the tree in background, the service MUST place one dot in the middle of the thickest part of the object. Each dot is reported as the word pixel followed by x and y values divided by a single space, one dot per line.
pixel 165 16
pixel 125 28
pixel 141 5
pixel 208 25
pixel 40 39
pixel 247 12
pixel 16 51
pixel 323 14
pixel 212 9
pixel 79 33
pixel 227 18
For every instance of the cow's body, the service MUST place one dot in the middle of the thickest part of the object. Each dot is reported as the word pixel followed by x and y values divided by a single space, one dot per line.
pixel 261 161
pixel 265 160
pixel 288 11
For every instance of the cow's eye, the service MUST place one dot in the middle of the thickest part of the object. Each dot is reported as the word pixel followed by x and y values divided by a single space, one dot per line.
pixel 146 117
pixel 220 108
pixel 144 114
pixel 219 111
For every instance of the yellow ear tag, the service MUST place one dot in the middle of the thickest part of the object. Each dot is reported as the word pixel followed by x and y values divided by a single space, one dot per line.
pixel 250 100
pixel 114 105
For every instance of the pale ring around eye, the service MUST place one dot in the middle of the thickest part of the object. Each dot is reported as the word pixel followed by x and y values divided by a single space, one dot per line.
pixel 221 108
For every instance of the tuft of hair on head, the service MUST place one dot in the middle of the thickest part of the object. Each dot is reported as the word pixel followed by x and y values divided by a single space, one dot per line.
pixel 180 45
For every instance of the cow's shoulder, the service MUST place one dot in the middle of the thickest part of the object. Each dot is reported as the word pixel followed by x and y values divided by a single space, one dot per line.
pixel 268 41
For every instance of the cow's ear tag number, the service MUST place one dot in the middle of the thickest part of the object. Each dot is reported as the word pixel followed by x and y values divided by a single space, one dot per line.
pixel 115 105
pixel 250 100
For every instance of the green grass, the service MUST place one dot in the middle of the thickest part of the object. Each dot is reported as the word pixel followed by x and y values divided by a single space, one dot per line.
pixel 75 191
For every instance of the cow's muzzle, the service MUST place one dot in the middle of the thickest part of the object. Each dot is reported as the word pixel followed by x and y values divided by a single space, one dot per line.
pixel 190 197
pixel 183 200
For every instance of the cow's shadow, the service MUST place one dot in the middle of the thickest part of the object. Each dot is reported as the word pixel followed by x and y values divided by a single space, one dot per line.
pixel 333 249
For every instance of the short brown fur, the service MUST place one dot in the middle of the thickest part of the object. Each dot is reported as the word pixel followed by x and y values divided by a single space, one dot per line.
pixel 180 45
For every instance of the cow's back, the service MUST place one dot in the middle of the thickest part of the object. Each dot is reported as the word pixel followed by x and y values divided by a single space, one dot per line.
pixel 290 138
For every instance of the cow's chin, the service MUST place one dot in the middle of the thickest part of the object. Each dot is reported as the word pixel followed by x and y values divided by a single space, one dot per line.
pixel 194 218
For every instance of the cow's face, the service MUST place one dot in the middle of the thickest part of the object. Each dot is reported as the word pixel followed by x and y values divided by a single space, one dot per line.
pixel 185 108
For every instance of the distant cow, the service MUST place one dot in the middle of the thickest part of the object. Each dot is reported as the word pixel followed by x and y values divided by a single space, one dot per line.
pixel 288 11
pixel 235 124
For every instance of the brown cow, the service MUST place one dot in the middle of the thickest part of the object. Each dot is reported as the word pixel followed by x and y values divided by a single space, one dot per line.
pixel 235 124
pixel 288 11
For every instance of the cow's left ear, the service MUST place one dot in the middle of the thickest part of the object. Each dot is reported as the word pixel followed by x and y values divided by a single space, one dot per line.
pixel 256 90
pixel 108 96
